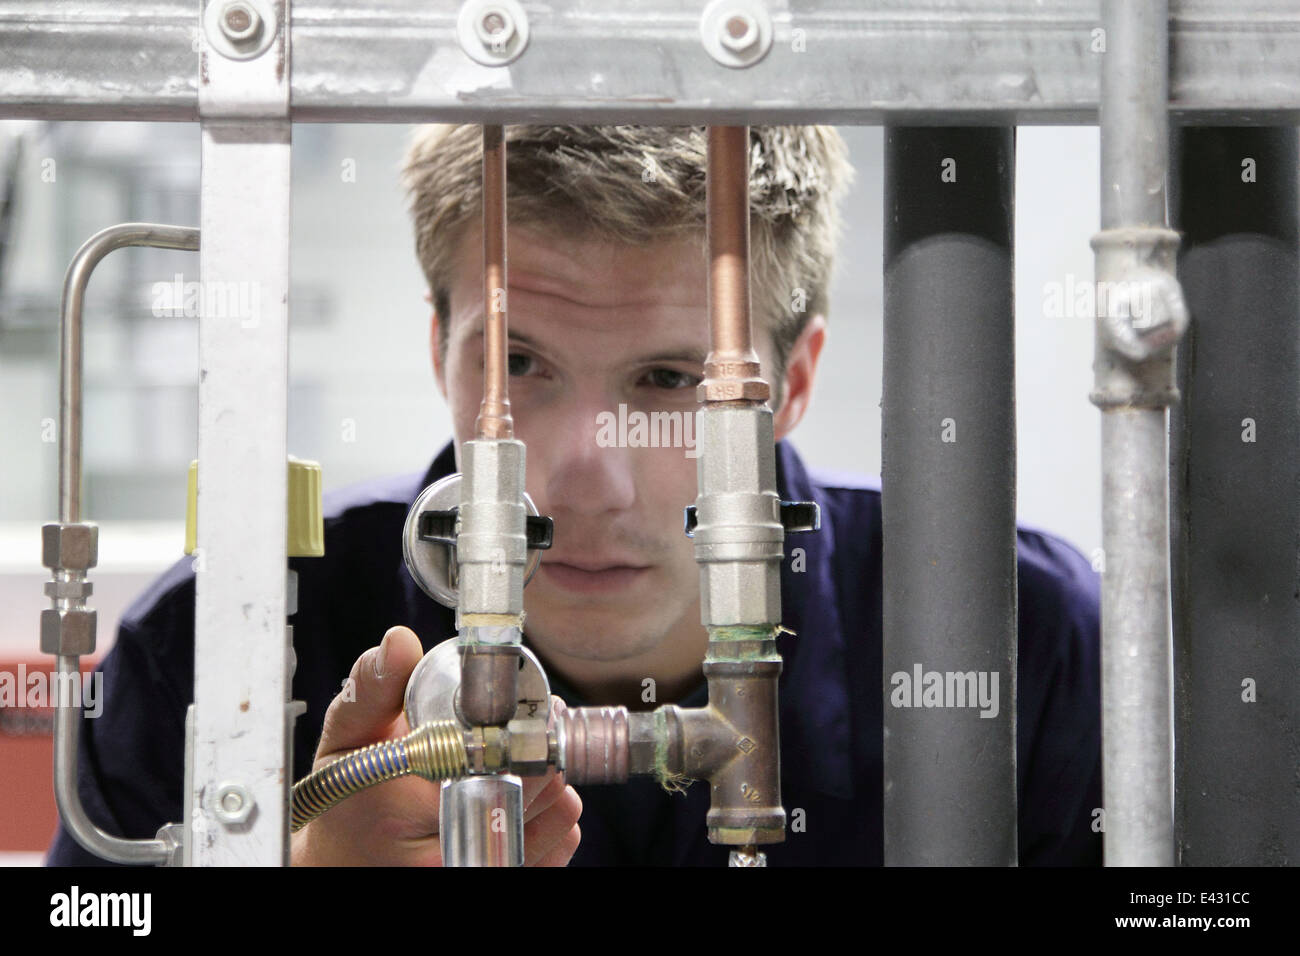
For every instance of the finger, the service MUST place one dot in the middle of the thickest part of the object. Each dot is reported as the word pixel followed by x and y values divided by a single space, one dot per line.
pixel 549 830
pixel 545 798
pixel 562 852
pixel 393 824
pixel 378 685
pixel 534 786
pixel 558 706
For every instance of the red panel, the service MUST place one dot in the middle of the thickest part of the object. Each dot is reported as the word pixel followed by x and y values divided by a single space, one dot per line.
pixel 27 812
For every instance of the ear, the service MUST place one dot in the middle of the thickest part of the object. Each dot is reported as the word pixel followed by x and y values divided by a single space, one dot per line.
pixel 800 372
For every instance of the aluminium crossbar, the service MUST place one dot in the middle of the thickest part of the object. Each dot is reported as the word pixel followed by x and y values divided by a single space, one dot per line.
pixel 987 62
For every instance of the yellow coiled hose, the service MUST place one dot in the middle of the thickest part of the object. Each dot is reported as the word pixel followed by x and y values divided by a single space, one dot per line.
pixel 435 751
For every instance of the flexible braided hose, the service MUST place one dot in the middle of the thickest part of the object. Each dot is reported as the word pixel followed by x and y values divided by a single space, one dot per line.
pixel 434 751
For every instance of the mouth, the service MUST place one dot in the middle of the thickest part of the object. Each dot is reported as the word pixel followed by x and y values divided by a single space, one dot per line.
pixel 593 580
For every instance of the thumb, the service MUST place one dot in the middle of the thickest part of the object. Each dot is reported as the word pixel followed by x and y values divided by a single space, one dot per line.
pixel 378 684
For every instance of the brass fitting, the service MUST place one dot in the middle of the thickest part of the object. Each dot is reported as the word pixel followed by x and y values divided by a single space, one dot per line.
pixel 523 747
pixel 733 742
pixel 528 746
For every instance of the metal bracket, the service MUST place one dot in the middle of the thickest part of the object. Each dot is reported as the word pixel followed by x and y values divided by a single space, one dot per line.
pixel 244 78
pixel 172 836
pixel 796 517
pixel 440 527
pixel 800 516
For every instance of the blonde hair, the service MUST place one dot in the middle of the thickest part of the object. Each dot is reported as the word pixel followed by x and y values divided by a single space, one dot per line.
pixel 638 184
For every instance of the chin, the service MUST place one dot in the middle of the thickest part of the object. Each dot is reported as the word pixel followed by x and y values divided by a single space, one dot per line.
pixel 595 634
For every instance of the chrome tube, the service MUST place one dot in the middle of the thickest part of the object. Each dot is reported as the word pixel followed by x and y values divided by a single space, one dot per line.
pixel 83 264
pixel 67 715
pixel 67 721
pixel 481 821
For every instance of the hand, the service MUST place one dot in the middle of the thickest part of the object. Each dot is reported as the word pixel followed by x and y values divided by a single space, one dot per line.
pixel 395 823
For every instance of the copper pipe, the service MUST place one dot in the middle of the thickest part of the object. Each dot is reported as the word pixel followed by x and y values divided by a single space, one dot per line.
pixel 494 419
pixel 597 746
pixel 731 371
pixel 489 682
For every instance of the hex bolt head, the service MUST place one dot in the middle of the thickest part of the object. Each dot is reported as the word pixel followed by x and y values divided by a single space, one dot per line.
pixel 240 23
pixel 495 28
pixel 492 32
pixel 739 32
pixel 233 804
pixel 736 33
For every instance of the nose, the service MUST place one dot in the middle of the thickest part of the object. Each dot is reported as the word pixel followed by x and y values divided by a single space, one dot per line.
pixel 587 473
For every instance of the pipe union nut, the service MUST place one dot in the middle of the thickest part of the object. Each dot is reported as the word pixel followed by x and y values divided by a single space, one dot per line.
pixel 70 547
pixel 69 632
pixel 731 390
pixel 529 746
pixel 74 589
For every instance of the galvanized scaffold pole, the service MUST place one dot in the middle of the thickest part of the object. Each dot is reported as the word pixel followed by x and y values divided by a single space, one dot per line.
pixel 1140 317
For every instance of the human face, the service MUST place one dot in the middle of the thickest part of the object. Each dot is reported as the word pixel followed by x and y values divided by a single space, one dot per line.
pixel 595 325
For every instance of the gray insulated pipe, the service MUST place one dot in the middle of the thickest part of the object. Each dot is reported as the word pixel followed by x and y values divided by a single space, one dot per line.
pixel 1235 484
pixel 949 494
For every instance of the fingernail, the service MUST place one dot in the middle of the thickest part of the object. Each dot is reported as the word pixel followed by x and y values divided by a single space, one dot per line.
pixel 382 657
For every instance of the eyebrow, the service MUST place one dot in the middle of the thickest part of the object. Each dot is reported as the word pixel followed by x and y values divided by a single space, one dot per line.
pixel 694 356
pixel 691 355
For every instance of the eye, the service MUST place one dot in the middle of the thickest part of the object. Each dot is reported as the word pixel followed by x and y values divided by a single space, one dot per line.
pixel 520 363
pixel 668 378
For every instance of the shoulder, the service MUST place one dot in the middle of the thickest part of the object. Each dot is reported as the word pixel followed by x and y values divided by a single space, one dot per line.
pixel 1057 582
pixel 850 504
pixel 362 499
pixel 362 522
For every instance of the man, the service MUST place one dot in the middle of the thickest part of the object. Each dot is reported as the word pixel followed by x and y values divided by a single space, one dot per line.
pixel 608 317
